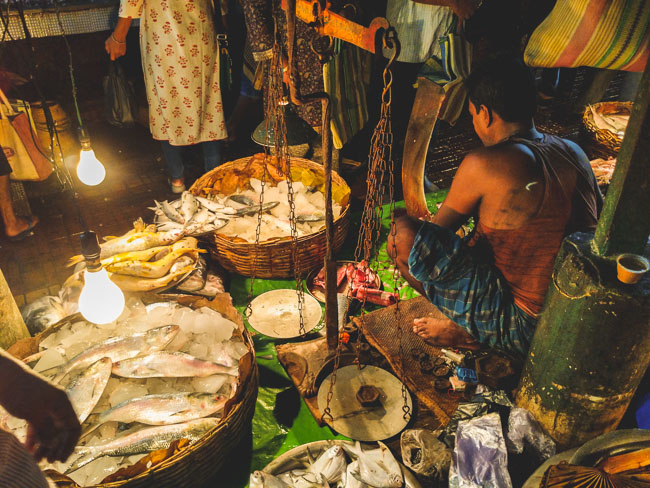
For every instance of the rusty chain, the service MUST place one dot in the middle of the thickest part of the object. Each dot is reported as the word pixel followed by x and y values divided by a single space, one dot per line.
pixel 380 162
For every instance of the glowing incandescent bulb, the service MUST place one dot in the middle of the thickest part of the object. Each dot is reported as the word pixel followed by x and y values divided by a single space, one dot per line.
pixel 89 170
pixel 101 301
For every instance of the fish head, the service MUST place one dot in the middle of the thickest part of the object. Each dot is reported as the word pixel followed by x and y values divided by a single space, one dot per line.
pixel 257 480
pixel 161 336
pixel 395 481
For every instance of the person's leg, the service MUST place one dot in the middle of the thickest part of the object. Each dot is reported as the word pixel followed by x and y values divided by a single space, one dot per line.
pixel 174 159
pixel 436 329
pixel 14 225
pixel 211 154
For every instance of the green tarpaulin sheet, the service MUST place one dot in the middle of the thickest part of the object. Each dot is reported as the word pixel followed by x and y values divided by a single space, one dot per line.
pixel 282 421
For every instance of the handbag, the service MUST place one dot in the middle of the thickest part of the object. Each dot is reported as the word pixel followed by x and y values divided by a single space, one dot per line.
pixel 119 97
pixel 611 34
pixel 22 147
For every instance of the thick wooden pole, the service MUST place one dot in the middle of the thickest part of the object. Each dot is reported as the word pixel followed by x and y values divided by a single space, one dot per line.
pixel 625 221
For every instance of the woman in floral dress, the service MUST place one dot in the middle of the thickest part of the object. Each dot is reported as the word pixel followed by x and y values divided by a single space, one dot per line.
pixel 180 60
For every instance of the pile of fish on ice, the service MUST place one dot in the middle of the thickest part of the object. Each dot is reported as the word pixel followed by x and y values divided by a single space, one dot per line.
pixel 340 466
pixel 236 215
pixel 137 386
pixel 146 260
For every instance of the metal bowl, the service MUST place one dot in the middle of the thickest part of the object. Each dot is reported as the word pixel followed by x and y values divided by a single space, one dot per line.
pixel 275 314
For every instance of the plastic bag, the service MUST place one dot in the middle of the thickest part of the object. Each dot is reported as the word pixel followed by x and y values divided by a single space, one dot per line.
pixel 42 313
pixel 119 97
pixel 524 429
pixel 480 458
pixel 424 453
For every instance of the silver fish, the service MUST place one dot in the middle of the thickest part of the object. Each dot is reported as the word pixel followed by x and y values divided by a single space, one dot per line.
pixel 253 209
pixel 213 206
pixel 168 365
pixel 201 217
pixel 145 440
pixel 189 206
pixel 299 478
pixel 377 467
pixel 317 217
pixel 165 409
pixel 242 199
pixel 331 464
pixel 260 479
pixel 85 389
pixel 170 212
pixel 350 480
pixel 119 348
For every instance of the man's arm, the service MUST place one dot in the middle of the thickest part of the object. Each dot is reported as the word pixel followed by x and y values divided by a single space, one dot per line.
pixel 53 428
pixel 464 196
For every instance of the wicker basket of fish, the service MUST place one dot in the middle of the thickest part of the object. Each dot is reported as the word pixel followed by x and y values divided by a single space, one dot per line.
pixel 160 405
pixel 605 122
pixel 335 463
pixel 233 189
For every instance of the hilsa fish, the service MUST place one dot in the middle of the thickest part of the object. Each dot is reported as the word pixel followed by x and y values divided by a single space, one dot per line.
pixel 144 441
pixel 165 409
pixel 85 389
pixel 169 365
pixel 119 348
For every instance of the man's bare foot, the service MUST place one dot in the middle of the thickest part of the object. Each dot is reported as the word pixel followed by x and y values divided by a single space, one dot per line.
pixel 443 332
pixel 21 227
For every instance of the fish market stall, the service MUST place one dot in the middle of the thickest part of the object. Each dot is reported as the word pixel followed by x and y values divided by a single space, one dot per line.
pixel 183 390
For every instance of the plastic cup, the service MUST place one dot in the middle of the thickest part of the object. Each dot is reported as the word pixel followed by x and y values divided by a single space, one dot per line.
pixel 631 267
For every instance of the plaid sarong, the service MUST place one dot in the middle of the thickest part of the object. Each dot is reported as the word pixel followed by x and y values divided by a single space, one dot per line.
pixel 468 290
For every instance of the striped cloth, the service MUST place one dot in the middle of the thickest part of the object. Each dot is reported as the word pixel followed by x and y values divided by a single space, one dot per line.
pixel 612 34
pixel 17 466
pixel 345 78
pixel 468 290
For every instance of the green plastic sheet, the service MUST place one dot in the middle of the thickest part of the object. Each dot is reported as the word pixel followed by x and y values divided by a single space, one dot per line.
pixel 282 421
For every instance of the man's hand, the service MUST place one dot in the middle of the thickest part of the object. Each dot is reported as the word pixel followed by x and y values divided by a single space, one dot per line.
pixel 53 428
pixel 115 47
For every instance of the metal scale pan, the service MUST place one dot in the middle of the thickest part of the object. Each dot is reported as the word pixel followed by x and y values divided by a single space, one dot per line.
pixel 275 314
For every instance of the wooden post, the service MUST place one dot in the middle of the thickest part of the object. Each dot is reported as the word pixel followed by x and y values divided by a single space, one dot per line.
pixel 592 343
pixel 12 326
pixel 625 221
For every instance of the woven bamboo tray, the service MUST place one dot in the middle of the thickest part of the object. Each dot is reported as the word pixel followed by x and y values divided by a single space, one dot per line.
pixel 272 258
pixel 608 139
pixel 196 464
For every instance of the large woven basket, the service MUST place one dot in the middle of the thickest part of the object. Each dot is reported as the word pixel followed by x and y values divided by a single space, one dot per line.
pixel 198 463
pixel 608 139
pixel 272 258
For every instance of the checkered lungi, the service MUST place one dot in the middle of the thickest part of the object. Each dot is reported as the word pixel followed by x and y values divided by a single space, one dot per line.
pixel 468 290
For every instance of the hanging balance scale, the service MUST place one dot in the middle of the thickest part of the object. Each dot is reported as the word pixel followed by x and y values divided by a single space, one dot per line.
pixel 364 402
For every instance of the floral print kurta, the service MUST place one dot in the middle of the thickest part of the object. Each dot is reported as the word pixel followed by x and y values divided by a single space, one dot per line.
pixel 180 60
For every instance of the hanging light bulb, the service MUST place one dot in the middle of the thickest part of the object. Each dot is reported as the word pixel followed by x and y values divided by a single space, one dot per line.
pixel 101 301
pixel 89 170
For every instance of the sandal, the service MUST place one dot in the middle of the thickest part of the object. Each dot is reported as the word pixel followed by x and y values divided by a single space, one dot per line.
pixel 178 185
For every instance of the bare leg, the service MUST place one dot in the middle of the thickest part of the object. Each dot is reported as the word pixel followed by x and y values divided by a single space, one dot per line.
pixel 436 330
pixel 441 331
pixel 400 246
pixel 13 225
